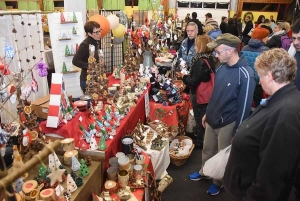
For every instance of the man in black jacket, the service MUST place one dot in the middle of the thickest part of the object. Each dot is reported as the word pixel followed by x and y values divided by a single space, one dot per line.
pixel 194 19
pixel 93 32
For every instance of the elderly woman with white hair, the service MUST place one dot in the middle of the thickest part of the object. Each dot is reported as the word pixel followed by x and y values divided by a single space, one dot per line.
pixel 265 152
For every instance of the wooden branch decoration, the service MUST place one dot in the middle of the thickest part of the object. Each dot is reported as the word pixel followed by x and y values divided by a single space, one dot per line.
pixel 35 160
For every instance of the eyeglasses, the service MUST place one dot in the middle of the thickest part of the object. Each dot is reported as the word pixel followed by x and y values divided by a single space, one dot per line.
pixel 97 32
pixel 219 52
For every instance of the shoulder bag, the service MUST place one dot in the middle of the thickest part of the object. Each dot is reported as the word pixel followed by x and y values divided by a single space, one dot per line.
pixel 204 89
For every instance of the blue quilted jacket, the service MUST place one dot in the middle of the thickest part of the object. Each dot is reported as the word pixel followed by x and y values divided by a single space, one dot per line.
pixel 251 51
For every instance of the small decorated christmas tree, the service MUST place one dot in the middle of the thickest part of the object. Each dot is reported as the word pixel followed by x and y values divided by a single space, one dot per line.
pixel 42 170
pixel 84 170
pixel 74 17
pixel 67 51
pixel 62 17
pixel 75 164
pixel 18 184
pixel 102 143
pixel 64 68
pixel 93 143
pixel 74 31
pixel 54 162
pixel 71 185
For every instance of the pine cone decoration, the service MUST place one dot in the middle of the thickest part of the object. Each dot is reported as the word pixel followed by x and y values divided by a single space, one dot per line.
pixel 88 161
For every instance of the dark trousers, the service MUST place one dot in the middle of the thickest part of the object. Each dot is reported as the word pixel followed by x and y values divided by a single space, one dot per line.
pixel 83 85
pixel 199 112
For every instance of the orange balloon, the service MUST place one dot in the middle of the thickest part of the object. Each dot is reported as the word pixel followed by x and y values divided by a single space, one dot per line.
pixel 104 23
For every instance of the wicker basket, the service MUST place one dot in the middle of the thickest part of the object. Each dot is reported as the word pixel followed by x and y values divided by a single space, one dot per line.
pixel 180 160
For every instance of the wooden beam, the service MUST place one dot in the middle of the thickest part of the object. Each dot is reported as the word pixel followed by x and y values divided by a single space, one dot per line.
pixel 100 4
pixel 166 9
pixel 41 3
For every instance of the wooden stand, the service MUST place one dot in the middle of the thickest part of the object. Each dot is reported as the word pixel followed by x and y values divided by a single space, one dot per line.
pixel 68 156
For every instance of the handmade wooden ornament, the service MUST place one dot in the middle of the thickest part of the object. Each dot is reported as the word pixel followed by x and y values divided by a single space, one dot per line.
pixel 54 162
pixel 35 192
pixel 18 164
pixel 18 184
pixel 47 194
pixel 71 185
pixel 75 164
pixel 29 186
pixel 84 170
pixel 93 143
pixel 56 176
pixel 59 190
pixel 68 156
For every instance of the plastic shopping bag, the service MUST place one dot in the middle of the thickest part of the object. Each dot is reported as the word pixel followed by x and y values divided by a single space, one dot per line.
pixel 215 166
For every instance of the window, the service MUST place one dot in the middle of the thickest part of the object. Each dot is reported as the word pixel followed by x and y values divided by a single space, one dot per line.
pixel 11 4
pixel 209 5
pixel 196 5
pixel 129 2
pixel 183 4
pixel 222 5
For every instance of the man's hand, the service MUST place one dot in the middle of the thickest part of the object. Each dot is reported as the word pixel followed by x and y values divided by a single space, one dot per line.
pixel 204 121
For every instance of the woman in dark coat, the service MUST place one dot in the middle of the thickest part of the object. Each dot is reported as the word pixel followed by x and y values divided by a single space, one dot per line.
pixel 265 151
pixel 232 28
pixel 248 27
pixel 199 72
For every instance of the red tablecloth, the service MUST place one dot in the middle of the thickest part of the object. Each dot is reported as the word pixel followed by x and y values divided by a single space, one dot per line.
pixel 71 129
pixel 175 115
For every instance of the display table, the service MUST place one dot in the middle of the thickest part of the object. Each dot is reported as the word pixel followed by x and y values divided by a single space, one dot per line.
pixel 175 115
pixel 139 193
pixel 71 129
pixel 160 159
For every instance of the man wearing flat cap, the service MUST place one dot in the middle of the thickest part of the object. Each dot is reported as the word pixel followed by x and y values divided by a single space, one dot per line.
pixel 230 102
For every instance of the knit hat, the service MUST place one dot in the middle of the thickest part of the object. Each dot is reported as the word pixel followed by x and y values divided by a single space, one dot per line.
pixel 260 33
pixel 225 39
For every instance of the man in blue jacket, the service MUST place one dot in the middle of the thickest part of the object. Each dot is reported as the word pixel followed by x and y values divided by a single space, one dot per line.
pixel 230 102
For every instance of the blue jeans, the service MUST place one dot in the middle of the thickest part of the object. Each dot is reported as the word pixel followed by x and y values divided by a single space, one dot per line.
pixel 83 85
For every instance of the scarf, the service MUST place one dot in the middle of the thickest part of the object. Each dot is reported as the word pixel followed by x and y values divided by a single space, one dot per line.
pixel 196 57
pixel 281 32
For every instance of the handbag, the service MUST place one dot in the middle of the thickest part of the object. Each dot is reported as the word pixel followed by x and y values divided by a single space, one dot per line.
pixel 215 166
pixel 204 89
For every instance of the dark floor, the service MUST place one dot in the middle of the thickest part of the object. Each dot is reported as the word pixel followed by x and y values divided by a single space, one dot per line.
pixel 183 189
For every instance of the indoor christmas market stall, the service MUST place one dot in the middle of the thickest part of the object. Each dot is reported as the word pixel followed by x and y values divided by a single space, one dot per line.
pixel 116 140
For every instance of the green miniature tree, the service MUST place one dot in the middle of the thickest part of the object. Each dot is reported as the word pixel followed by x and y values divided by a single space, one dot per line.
pixel 84 170
pixel 74 31
pixel 102 143
pixel 42 170
pixel 67 51
pixel 64 68
pixel 74 17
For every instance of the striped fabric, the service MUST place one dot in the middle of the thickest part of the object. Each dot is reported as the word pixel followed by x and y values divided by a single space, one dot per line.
pixel 213 22
pixel 54 111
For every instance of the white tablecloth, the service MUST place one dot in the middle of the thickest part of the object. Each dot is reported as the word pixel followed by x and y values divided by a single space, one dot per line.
pixel 160 159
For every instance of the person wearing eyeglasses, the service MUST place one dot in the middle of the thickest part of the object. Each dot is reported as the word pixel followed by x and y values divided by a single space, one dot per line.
pixel 296 44
pixel 80 59
pixel 230 102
